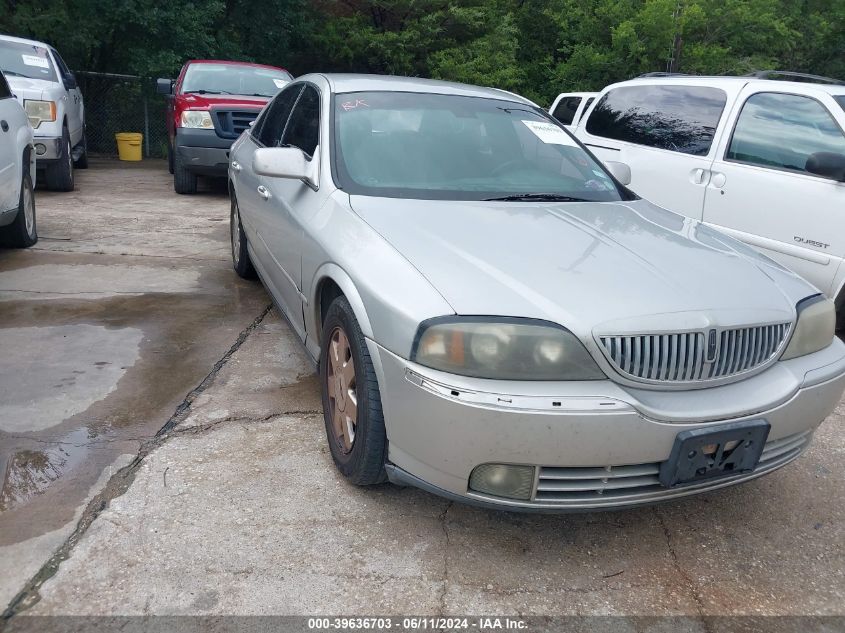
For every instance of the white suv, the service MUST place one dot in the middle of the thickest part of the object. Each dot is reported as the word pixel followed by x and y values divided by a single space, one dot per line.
pixel 762 160
pixel 53 102
pixel 17 173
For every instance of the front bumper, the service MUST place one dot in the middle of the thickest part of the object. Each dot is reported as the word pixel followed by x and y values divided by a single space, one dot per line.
pixel 441 426
pixel 47 149
pixel 203 151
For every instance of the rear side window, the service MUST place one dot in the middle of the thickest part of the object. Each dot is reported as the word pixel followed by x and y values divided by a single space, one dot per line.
pixel 782 130
pixel 676 118
pixel 5 92
pixel 565 109
pixel 269 128
pixel 841 101
pixel 303 130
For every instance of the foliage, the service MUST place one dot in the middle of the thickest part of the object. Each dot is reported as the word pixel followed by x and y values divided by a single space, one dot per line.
pixel 535 47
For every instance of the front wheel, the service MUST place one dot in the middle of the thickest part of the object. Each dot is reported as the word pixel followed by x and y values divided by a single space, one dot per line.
pixel 22 233
pixel 59 175
pixel 184 181
pixel 351 399
pixel 240 255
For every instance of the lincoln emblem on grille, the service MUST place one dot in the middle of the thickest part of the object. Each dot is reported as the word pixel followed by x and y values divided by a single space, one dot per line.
pixel 711 346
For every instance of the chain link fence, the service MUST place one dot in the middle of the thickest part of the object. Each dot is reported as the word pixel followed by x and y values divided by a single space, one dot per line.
pixel 123 103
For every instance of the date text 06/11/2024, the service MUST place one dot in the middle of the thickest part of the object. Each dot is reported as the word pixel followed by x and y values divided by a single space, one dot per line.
pixel 419 623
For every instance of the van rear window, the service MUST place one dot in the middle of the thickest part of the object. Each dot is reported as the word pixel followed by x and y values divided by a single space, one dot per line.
pixel 675 118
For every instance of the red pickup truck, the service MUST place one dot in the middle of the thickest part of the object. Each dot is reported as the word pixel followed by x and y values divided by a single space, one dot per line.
pixel 209 105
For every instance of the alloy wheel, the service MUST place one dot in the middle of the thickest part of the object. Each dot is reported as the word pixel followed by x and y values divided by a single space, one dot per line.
pixel 29 211
pixel 343 395
pixel 236 235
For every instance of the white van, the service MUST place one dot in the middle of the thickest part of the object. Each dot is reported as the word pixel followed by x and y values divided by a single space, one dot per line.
pixel 762 160
pixel 569 107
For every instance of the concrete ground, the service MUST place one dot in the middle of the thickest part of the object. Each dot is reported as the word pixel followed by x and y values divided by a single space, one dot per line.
pixel 236 508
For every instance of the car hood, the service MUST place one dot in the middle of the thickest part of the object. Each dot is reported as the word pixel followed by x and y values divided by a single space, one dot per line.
pixel 592 267
pixel 26 88
pixel 205 102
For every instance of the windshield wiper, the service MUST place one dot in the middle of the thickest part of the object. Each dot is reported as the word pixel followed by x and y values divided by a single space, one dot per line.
pixel 544 197
pixel 208 92
pixel 16 74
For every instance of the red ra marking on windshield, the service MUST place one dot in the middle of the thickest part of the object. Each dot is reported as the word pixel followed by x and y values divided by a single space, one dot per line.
pixel 351 105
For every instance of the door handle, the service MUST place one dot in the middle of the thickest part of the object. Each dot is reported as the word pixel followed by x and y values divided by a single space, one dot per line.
pixel 236 166
pixel 699 176
pixel 263 192
pixel 4 125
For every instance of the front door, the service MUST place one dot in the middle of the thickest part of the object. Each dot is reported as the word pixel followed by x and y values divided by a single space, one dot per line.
pixel 10 115
pixel 761 192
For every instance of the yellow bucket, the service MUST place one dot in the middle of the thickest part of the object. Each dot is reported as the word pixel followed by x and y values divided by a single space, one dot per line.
pixel 129 145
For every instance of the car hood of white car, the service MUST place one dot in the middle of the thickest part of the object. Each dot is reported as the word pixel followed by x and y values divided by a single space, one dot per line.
pixel 26 88
pixel 610 266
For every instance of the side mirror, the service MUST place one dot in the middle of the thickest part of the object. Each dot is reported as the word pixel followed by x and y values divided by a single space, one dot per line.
pixel 287 162
pixel 827 164
pixel 70 82
pixel 164 86
pixel 620 171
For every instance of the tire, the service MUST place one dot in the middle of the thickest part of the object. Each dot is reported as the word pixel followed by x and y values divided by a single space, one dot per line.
pixel 23 232
pixel 184 181
pixel 59 175
pixel 240 254
pixel 361 457
pixel 170 158
pixel 82 161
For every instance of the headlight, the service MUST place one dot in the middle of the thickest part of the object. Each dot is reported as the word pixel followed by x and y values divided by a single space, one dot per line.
pixel 503 349
pixel 814 328
pixel 38 111
pixel 197 118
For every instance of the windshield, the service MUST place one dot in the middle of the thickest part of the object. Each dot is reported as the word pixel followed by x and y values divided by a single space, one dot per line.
pixel 447 147
pixel 234 79
pixel 25 60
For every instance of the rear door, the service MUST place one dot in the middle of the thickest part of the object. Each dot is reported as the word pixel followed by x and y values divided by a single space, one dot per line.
pixel 10 122
pixel 760 191
pixel 665 133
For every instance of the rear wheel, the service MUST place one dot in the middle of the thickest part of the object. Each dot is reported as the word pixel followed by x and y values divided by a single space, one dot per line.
pixel 22 233
pixel 184 181
pixel 351 399
pixel 240 255
pixel 59 175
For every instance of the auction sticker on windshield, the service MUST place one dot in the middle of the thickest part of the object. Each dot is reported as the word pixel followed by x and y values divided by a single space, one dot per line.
pixel 34 60
pixel 550 133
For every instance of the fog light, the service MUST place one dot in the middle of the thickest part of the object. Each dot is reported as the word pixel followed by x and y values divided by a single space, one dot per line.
pixel 503 480
pixel 40 149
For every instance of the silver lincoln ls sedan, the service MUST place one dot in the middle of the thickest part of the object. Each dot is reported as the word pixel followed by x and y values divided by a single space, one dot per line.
pixel 497 319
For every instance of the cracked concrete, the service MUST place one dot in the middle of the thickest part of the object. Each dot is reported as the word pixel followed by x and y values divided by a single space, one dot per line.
pixel 236 508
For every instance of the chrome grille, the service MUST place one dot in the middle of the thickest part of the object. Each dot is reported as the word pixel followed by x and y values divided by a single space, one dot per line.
pixel 695 356
pixel 639 482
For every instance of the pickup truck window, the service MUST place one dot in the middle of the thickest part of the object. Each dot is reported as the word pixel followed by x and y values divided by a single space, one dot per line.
pixel 676 118
pixel 25 60
pixel 782 130
pixel 566 109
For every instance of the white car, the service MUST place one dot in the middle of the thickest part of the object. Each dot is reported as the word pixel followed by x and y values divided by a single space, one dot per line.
pixel 761 160
pixel 569 107
pixel 17 173
pixel 50 95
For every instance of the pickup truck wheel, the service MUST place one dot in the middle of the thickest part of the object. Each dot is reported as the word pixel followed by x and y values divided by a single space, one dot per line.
pixel 59 175
pixel 82 161
pixel 184 181
pixel 22 233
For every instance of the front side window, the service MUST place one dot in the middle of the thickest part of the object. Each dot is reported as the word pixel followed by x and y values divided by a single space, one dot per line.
pixel 782 131
pixel 841 101
pixel 234 79
pixel 448 147
pixel 5 92
pixel 25 60
pixel 269 128
pixel 675 118
pixel 303 129
pixel 565 109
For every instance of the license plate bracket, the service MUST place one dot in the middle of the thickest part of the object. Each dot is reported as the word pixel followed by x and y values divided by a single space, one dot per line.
pixel 712 452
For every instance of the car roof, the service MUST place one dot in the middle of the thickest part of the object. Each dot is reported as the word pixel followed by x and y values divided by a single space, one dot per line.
pixel 23 40
pixel 718 81
pixel 233 63
pixel 341 82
